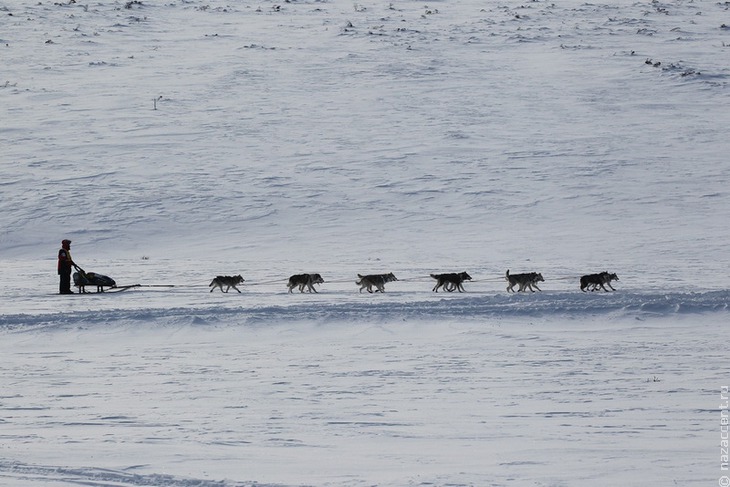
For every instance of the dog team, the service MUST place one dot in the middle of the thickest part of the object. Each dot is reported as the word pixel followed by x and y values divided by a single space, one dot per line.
pixel 449 282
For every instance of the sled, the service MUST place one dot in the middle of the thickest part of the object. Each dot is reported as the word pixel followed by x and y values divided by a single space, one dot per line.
pixel 83 279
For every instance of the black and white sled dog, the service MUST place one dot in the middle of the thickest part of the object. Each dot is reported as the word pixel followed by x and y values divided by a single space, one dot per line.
pixel 304 280
pixel 451 281
pixel 376 281
pixel 591 282
pixel 527 280
pixel 228 281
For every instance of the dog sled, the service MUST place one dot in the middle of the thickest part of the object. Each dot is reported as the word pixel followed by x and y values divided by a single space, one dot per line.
pixel 83 279
pixel 104 284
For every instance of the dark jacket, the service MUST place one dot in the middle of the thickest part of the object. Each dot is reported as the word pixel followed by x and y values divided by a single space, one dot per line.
pixel 64 261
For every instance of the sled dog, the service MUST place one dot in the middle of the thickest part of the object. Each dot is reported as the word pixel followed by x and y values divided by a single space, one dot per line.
pixel 591 282
pixel 375 280
pixel 525 281
pixel 228 281
pixel 304 280
pixel 451 281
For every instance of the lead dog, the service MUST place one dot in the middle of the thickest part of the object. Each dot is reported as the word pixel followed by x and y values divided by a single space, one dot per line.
pixel 304 280
pixel 525 281
pixel 228 281
pixel 450 282
pixel 591 282
pixel 375 280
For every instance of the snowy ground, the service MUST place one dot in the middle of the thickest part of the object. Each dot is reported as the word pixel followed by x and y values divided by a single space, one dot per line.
pixel 210 400
pixel 176 141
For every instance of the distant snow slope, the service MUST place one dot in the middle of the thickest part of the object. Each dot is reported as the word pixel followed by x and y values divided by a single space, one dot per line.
pixel 333 131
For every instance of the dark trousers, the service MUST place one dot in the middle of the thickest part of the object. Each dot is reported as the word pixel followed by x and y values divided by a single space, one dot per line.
pixel 65 284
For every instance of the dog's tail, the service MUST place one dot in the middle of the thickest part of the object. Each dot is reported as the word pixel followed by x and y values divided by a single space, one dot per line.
pixel 434 276
pixel 506 275
pixel 211 283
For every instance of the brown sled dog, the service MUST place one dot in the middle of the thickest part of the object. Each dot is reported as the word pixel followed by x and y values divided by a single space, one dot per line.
pixel 304 280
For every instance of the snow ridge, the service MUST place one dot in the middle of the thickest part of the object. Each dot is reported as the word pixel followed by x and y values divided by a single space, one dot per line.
pixel 105 477
pixel 546 304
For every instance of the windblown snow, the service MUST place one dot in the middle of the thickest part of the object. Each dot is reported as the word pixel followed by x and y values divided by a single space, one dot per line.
pixel 176 141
